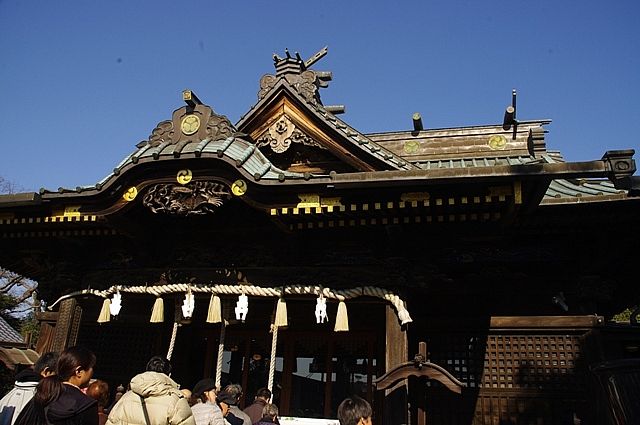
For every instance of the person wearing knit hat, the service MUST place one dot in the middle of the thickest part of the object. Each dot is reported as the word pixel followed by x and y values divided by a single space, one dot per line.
pixel 203 403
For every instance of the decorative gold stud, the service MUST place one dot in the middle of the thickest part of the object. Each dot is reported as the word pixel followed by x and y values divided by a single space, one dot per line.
pixel 130 194
pixel 239 187
pixel 184 176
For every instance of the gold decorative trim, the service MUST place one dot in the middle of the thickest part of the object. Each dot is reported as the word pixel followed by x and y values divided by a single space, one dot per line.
pixel 72 211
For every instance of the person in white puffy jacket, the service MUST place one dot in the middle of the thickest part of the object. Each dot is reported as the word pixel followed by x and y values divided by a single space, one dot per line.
pixel 25 387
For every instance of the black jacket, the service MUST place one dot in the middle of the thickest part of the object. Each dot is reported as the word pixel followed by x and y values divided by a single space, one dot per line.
pixel 73 407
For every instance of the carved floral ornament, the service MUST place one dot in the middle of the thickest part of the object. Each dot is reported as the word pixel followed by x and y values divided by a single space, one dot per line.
pixel 282 133
pixel 306 84
pixel 194 198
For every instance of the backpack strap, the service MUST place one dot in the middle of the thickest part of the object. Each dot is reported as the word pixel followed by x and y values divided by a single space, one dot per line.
pixel 144 409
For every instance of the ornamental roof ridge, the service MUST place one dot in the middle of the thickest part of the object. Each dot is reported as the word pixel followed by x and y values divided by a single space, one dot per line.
pixel 353 136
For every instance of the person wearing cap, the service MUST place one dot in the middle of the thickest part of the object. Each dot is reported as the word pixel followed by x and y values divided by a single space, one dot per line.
pixel 225 400
pixel 204 407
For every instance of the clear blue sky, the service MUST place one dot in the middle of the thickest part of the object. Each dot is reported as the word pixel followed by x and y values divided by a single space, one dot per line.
pixel 81 82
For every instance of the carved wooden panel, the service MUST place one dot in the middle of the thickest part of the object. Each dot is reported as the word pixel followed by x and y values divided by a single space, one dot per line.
pixel 512 377
pixel 195 198
pixel 75 326
pixel 64 324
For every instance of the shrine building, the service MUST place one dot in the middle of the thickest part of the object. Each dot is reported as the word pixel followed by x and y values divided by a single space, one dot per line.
pixel 462 275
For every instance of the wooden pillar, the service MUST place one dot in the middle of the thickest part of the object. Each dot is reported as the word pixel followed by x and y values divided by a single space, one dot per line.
pixel 67 326
pixel 328 388
pixel 397 352
pixel 289 362
pixel 420 396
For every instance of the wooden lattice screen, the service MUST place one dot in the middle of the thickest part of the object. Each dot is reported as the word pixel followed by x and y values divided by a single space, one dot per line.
pixel 512 377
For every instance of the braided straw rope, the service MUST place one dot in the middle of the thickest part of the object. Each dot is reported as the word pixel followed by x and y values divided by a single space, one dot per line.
pixel 256 291
pixel 220 354
pixel 174 333
pixel 272 360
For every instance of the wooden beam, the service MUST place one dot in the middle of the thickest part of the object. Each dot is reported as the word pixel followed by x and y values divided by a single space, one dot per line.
pixel 546 321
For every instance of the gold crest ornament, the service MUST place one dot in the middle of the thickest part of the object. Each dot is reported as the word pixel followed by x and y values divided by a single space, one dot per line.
pixel 190 124
pixel 130 194
pixel 411 146
pixel 239 187
pixel 184 176
pixel 497 141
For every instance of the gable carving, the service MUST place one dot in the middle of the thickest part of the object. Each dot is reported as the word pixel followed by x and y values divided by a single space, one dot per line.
pixel 195 198
pixel 282 133
pixel 192 124
pixel 162 133
pixel 305 83
pixel 219 127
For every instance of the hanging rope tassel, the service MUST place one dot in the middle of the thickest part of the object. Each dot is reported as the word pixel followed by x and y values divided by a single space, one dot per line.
pixel 220 356
pixel 342 319
pixel 272 360
pixel 281 314
pixel 105 313
pixel 215 311
pixel 157 314
pixel 174 333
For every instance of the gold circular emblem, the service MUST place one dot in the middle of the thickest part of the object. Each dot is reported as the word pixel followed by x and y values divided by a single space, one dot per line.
pixel 130 194
pixel 497 141
pixel 239 187
pixel 190 124
pixel 411 146
pixel 184 176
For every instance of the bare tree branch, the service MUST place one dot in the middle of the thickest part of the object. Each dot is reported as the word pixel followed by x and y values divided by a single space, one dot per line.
pixel 22 310
pixel 17 293
pixel 7 186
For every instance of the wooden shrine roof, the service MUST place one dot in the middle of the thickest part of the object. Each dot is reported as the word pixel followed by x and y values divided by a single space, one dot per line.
pixel 402 160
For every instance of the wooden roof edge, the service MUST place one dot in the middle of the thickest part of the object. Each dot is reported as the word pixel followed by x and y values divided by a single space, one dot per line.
pixel 523 127
pixel 597 168
pixel 20 199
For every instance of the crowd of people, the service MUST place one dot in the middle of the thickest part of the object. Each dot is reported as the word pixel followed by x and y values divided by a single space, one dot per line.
pixel 60 390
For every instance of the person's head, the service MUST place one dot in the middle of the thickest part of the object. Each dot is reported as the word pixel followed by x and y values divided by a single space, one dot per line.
pixel 205 390
pixel 264 394
pixel 99 390
pixel 225 399
pixel 159 364
pixel 75 365
pixel 354 411
pixel 234 390
pixel 270 411
pixel 46 364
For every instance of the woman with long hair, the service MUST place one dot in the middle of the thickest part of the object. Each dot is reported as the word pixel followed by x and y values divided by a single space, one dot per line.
pixel 59 399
